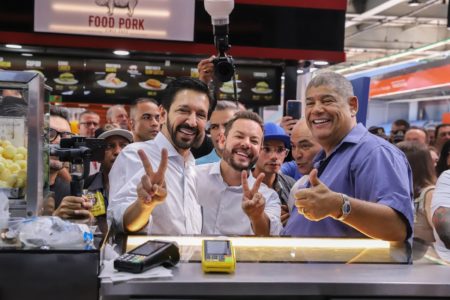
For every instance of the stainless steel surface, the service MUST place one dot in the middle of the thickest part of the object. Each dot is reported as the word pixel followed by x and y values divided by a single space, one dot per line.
pixel 278 279
pixel 33 90
pixel 35 124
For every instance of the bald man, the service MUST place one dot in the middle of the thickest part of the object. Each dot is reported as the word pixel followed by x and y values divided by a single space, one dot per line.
pixel 304 148
pixel 417 134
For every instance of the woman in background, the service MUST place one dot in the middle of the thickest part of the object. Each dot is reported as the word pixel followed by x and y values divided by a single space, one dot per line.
pixel 424 179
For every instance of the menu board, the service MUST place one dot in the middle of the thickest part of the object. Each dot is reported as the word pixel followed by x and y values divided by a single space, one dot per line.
pixel 65 76
pixel 256 86
pixel 123 81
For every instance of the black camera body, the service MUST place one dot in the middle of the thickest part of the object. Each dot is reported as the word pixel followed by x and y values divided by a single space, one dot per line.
pixel 223 63
pixel 79 151
pixel 82 148
pixel 223 68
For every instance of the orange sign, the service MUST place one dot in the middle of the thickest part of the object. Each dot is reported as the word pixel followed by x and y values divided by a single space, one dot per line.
pixel 423 79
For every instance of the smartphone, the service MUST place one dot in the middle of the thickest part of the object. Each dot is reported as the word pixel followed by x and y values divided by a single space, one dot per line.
pixel 294 109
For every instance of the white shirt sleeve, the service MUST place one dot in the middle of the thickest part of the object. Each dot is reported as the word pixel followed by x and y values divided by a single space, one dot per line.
pixel 441 195
pixel 272 210
pixel 124 177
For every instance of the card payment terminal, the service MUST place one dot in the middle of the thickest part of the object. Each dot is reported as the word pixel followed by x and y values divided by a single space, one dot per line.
pixel 148 255
pixel 218 256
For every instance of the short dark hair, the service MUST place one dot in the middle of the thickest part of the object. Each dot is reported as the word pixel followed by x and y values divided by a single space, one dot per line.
pixel 61 112
pixel 244 115
pixel 225 105
pixel 441 164
pixel 401 122
pixel 87 112
pixel 186 83
pixel 436 131
pixel 138 101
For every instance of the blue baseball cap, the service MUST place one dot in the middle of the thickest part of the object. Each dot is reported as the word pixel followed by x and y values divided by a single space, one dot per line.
pixel 273 131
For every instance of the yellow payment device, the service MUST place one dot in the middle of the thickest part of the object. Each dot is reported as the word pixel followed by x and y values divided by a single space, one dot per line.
pixel 218 256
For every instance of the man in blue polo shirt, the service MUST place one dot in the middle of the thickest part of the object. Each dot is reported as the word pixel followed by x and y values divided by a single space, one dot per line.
pixel 361 185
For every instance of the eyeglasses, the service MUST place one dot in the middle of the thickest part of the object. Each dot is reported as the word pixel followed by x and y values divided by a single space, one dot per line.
pixel 147 117
pixel 278 150
pixel 89 124
pixel 52 134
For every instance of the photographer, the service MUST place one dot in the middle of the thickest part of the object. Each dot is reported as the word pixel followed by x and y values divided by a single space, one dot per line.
pixel 59 177
pixel 97 184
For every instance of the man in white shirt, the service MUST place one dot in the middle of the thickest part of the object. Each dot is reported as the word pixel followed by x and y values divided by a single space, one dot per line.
pixel 137 195
pixel 230 206
pixel 440 210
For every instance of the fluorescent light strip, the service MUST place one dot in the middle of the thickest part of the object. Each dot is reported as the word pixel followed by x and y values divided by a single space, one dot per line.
pixel 395 56
pixel 13 46
pixel 270 242
pixel 87 29
pixel 410 91
pixel 73 8
pixel 403 62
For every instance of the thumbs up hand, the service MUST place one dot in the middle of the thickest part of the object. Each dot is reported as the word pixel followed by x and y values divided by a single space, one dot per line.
pixel 318 201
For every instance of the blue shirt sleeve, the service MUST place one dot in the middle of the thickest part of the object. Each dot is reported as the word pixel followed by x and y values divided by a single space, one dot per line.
pixel 384 176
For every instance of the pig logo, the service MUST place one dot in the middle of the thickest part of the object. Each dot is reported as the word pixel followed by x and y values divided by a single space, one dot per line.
pixel 111 4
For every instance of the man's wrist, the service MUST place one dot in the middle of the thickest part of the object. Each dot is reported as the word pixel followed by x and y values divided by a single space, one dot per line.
pixel 344 208
pixel 146 206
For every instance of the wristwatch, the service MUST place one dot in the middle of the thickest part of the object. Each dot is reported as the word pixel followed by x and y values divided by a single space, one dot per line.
pixel 346 207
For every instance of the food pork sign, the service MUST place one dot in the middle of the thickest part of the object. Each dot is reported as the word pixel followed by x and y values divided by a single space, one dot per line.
pixel 148 19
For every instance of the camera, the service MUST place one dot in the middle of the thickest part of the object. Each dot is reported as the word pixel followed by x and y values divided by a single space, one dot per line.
pixel 79 151
pixel 223 68
pixel 219 11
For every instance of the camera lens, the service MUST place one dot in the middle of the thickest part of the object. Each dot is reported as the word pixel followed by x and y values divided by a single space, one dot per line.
pixel 223 70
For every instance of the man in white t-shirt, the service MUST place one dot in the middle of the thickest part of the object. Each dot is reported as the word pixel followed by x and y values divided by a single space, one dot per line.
pixel 440 210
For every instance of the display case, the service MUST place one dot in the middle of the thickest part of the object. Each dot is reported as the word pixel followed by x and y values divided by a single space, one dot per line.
pixel 292 250
pixel 293 268
pixel 23 149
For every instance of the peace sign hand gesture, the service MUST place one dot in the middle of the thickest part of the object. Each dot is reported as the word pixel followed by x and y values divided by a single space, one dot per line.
pixel 152 188
pixel 253 202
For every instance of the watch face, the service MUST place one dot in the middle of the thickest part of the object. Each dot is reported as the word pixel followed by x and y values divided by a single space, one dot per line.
pixel 346 208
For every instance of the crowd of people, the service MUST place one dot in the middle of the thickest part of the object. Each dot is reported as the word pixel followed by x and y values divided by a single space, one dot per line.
pixel 189 165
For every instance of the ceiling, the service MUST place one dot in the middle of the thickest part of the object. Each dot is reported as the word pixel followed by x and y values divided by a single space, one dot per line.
pixel 385 32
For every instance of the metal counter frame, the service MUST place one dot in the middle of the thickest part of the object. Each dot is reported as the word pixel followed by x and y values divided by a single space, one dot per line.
pixel 292 280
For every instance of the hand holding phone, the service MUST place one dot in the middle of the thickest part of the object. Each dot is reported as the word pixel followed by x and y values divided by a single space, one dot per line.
pixel 294 109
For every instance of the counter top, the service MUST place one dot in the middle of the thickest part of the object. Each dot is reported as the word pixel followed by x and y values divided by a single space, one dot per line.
pixel 290 279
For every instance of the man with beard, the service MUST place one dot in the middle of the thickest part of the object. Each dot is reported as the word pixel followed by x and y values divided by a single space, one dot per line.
pixel 98 184
pixel 138 197
pixel 272 154
pixel 59 177
pixel 361 185
pixel 230 207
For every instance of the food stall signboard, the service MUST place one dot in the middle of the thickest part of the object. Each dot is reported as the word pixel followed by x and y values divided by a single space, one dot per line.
pixel 127 18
